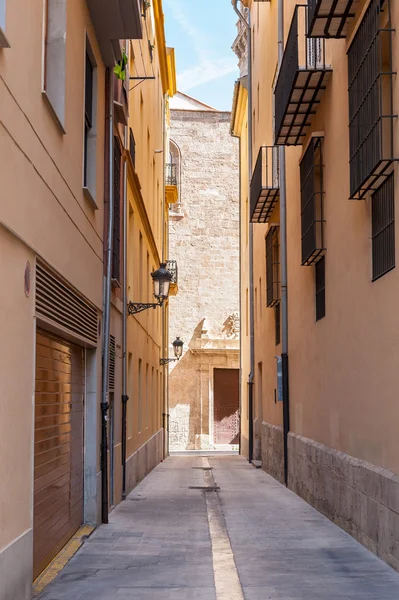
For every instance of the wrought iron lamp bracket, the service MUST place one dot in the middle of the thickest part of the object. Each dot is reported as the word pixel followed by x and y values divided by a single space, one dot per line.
pixel 137 307
pixel 166 361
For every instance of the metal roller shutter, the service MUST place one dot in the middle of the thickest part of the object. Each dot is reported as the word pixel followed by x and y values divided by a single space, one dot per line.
pixel 58 454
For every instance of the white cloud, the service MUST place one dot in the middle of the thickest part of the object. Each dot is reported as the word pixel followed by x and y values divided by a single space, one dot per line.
pixel 209 67
pixel 208 70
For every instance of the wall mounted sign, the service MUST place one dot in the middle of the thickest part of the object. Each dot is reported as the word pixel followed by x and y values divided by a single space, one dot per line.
pixel 279 378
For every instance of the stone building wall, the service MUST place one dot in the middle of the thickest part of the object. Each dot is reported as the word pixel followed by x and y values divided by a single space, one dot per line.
pixel 204 239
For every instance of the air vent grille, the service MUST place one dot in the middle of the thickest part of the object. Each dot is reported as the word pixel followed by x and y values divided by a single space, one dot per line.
pixel 58 303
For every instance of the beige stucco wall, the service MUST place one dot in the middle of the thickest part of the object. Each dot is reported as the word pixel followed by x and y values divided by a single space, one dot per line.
pixel 204 240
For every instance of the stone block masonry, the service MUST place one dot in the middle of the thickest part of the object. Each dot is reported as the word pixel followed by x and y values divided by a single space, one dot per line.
pixel 360 497
pixel 204 240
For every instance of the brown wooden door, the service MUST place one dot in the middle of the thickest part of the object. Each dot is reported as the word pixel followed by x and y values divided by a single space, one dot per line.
pixel 58 474
pixel 226 406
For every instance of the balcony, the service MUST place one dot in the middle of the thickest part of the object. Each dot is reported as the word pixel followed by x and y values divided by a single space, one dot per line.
pixel 171 187
pixel 372 102
pixel 171 265
pixel 265 184
pixel 312 203
pixel 115 20
pixel 301 81
pixel 121 105
pixel 330 18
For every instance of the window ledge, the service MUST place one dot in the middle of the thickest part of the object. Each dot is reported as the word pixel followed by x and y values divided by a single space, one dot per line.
pixel 52 111
pixel 89 196
pixel 4 43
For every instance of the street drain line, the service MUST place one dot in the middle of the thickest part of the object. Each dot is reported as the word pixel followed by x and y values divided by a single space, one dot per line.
pixel 227 582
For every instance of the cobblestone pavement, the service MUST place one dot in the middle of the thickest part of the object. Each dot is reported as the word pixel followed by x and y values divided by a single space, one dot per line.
pixel 169 540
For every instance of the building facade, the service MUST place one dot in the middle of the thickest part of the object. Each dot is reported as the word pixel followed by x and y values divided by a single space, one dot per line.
pixel 331 103
pixel 204 240
pixel 63 145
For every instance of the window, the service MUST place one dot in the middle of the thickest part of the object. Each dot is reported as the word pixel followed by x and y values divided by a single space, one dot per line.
pixel 147 397
pixel 383 228
pixel 141 276
pixel 312 203
pixel 173 174
pixel 140 398
pixel 371 114
pixel 3 40
pixel 116 242
pixel 90 132
pixel 132 147
pixel 272 266
pixel 277 323
pixel 320 276
pixel 54 68
pixel 129 417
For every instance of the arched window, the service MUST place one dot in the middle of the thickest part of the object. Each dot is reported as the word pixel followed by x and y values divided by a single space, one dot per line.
pixel 173 174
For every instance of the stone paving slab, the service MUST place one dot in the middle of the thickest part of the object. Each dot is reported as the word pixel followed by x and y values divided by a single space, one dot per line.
pixel 158 547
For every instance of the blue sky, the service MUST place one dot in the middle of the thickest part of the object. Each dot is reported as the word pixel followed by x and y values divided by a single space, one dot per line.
pixel 202 32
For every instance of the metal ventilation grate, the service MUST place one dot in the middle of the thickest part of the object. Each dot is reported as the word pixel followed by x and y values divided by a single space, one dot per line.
pixel 56 302
pixel 111 369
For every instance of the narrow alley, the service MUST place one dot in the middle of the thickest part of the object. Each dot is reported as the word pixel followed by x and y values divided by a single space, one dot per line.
pixel 249 539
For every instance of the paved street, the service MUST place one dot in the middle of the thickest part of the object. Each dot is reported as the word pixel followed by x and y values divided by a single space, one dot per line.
pixel 251 539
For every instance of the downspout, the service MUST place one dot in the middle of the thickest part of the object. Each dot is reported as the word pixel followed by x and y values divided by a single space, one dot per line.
pixel 247 25
pixel 283 250
pixel 125 397
pixel 107 310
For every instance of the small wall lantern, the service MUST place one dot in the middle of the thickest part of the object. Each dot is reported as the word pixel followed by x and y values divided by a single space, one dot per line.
pixel 161 280
pixel 178 350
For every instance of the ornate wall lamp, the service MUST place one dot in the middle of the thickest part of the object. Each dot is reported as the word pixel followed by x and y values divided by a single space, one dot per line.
pixel 161 279
pixel 178 350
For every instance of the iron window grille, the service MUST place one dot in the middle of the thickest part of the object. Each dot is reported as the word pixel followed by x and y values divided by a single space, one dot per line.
pixel 312 203
pixel 272 266
pixel 320 277
pixel 132 147
pixel 371 114
pixel 171 174
pixel 330 18
pixel 383 228
pixel 301 80
pixel 265 184
pixel 171 265
pixel 116 242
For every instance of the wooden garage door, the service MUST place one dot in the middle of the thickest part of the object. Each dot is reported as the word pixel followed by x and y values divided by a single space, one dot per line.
pixel 226 405
pixel 58 476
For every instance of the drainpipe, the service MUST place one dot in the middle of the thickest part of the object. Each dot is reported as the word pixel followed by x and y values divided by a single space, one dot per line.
pixel 125 397
pixel 283 250
pixel 107 310
pixel 247 25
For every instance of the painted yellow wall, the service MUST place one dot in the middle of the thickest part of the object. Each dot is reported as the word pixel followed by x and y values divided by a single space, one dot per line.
pixel 148 221
pixel 343 374
pixel 43 214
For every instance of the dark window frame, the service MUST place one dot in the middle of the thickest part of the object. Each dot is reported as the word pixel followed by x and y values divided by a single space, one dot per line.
pixel 89 88
pixel 383 229
pixel 320 289
pixel 116 239
pixel 312 202
pixel 272 241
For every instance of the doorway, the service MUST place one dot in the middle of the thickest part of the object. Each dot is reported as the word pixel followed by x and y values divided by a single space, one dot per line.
pixel 226 425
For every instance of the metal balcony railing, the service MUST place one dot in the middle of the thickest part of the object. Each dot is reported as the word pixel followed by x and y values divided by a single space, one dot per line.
pixel 372 103
pixel 312 203
pixel 171 174
pixel 171 265
pixel 301 80
pixel 265 184
pixel 330 18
